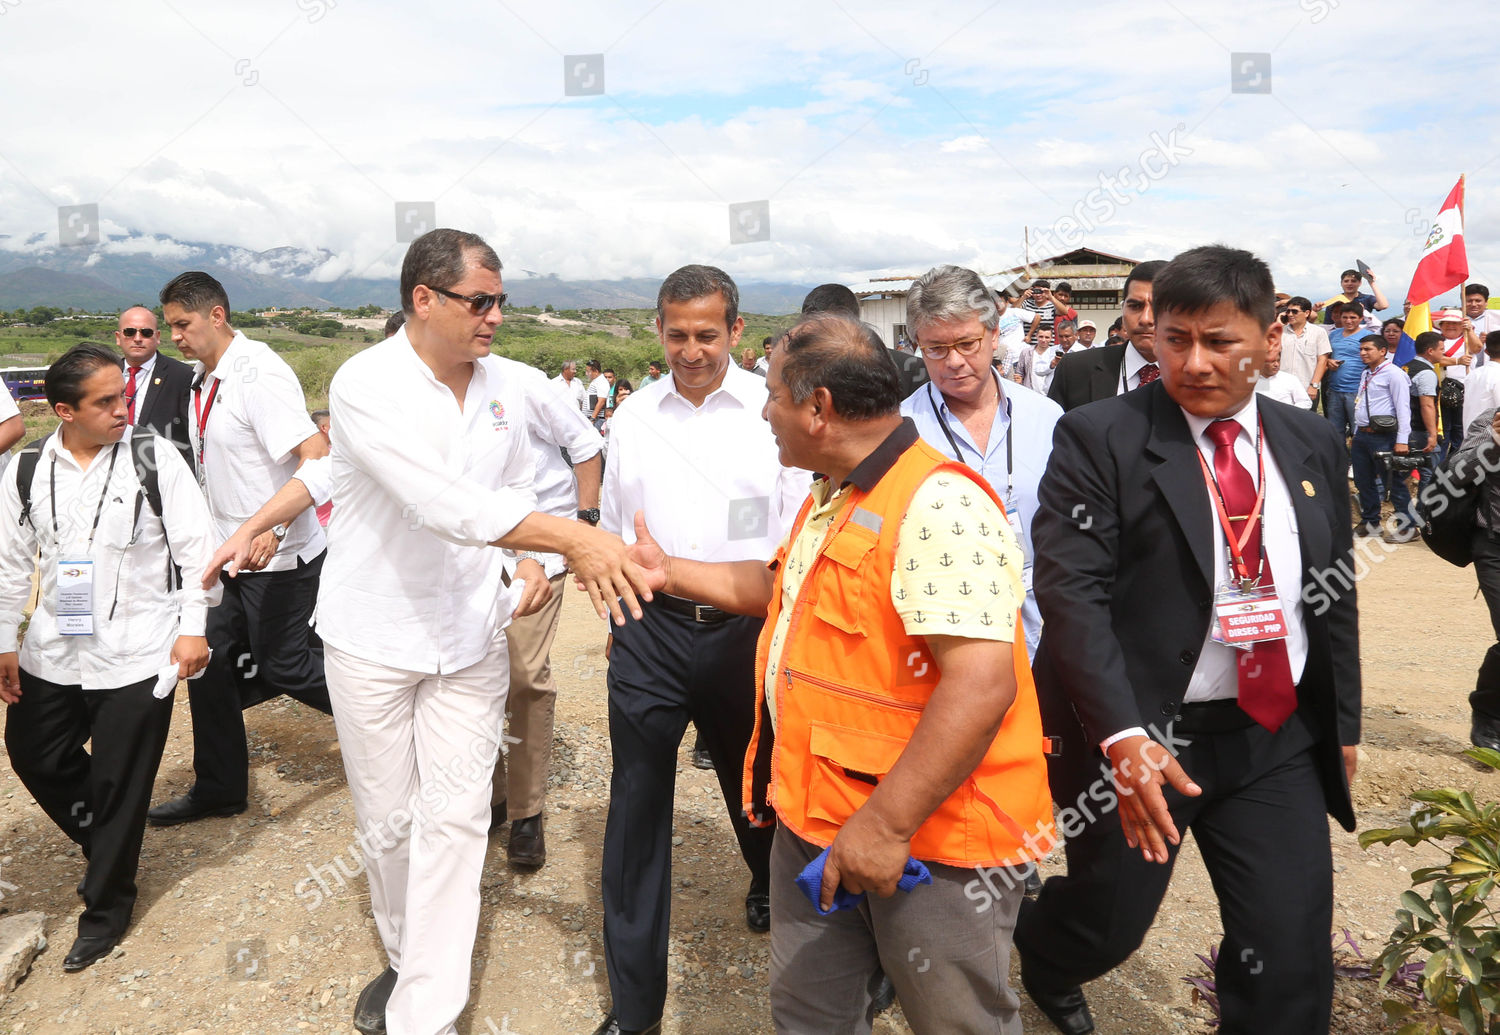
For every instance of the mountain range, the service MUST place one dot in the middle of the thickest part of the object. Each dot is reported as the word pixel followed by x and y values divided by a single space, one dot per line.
pixel 99 278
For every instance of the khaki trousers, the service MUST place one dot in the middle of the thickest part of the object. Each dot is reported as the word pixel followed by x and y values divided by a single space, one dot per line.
pixel 521 772
pixel 945 946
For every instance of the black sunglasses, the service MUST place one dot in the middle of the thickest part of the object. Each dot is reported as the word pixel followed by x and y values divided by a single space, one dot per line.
pixel 145 332
pixel 478 304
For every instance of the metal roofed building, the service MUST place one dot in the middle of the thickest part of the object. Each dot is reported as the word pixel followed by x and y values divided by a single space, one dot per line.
pixel 1097 278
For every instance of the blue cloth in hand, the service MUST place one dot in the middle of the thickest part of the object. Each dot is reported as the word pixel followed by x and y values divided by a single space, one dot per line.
pixel 810 880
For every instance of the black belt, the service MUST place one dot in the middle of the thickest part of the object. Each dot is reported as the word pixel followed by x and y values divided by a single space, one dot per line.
pixel 1223 716
pixel 705 614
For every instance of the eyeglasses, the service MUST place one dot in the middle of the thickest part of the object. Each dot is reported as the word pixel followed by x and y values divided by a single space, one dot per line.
pixel 964 348
pixel 144 332
pixel 478 304
pixel 1292 310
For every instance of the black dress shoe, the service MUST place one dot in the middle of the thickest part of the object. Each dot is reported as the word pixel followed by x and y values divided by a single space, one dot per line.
pixel 1485 732
pixel 885 995
pixel 187 808
pixel 611 1026
pixel 87 951
pixel 1033 885
pixel 758 909
pixel 528 845
pixel 1068 1010
pixel 701 758
pixel 369 1008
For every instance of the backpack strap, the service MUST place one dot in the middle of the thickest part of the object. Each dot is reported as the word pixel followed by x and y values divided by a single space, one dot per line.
pixel 143 453
pixel 26 460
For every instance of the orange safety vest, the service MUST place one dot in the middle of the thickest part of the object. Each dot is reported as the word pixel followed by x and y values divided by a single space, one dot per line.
pixel 852 686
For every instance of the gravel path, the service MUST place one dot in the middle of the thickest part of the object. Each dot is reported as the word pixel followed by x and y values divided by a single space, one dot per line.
pixel 230 936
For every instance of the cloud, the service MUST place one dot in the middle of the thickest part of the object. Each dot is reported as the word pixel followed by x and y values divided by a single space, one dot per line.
pixel 884 136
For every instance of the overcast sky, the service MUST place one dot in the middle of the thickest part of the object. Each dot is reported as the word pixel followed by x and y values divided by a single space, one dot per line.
pixel 885 137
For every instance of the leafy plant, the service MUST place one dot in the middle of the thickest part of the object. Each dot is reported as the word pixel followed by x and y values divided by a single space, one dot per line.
pixel 1454 922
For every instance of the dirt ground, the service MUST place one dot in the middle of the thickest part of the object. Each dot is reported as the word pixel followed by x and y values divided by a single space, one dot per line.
pixel 226 939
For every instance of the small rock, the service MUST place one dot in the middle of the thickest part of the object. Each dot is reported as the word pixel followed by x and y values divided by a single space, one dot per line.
pixel 22 936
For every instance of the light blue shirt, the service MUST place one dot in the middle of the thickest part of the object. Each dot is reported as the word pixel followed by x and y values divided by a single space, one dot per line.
pixel 1012 462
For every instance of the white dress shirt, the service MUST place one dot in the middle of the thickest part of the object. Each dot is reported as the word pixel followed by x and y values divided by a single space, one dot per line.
pixel 575 390
pixel 1215 677
pixel 1481 392
pixel 131 565
pixel 142 383
pixel 422 487
pixel 1284 387
pixel 1487 321
pixel 707 477
pixel 1042 368
pixel 1130 369
pixel 257 419
pixel 553 424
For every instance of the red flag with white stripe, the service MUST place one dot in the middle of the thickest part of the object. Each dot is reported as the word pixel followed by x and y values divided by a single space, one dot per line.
pixel 1444 263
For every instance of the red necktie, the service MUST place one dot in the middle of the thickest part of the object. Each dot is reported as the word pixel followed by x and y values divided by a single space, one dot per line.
pixel 130 396
pixel 1148 373
pixel 1266 691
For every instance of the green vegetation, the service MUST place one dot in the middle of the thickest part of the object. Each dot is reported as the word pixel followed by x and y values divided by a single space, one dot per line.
pixel 316 344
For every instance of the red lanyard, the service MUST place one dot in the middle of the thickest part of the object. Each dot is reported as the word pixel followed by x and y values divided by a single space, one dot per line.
pixel 201 412
pixel 1237 546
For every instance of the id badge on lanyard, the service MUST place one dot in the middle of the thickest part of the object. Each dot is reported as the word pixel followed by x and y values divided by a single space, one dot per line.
pixel 74 603
pixel 75 596
pixel 1247 608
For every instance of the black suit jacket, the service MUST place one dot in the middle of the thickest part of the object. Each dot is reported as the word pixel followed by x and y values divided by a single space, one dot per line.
pixel 1087 376
pixel 1124 574
pixel 165 410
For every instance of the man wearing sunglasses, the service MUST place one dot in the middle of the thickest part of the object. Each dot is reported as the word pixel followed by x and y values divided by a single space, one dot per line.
pixel 156 386
pixel 1304 347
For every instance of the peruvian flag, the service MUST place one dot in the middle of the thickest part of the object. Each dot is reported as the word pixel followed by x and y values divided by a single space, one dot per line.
pixel 1444 263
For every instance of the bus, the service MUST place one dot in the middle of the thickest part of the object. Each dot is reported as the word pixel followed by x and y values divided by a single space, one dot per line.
pixel 25 382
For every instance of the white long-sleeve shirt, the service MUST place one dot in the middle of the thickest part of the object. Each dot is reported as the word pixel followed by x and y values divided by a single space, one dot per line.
pixel 707 477
pixel 136 642
pixel 422 487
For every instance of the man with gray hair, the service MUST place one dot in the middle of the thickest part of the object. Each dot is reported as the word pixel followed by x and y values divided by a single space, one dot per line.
pixel 571 387
pixel 969 413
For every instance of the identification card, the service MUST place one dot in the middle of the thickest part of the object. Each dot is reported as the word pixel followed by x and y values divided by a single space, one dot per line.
pixel 1245 617
pixel 75 597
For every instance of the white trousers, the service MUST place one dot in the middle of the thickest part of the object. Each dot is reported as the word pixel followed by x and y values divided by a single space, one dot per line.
pixel 419 753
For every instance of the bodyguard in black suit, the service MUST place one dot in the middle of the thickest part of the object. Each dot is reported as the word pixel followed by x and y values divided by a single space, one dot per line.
pixel 1248 749
pixel 1088 375
pixel 162 384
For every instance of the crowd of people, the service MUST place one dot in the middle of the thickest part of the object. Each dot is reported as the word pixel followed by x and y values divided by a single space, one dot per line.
pixel 933 610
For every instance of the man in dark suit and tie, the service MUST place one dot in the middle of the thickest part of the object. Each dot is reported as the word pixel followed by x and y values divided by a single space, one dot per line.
pixel 1103 373
pixel 156 386
pixel 1175 705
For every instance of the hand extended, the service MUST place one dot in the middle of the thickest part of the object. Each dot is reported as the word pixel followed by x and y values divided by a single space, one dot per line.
pixel 648 555
pixel 235 553
pixel 538 588
pixel 601 563
pixel 867 856
pixel 1139 767
pixel 10 677
pixel 191 655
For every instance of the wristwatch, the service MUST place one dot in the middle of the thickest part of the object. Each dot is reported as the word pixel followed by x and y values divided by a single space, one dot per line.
pixel 279 531
pixel 591 515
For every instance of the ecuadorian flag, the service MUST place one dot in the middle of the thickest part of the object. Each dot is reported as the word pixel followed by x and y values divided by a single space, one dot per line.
pixel 1417 321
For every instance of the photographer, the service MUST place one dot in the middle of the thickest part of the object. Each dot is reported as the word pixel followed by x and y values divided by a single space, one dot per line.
pixel 1382 424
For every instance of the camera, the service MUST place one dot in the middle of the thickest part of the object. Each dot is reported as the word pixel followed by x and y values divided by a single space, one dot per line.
pixel 1404 463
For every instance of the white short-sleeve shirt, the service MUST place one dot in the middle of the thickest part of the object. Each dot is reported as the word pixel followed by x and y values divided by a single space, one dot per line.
pixel 254 416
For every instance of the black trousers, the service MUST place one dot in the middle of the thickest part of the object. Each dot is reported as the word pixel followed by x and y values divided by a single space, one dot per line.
pixel 98 799
pixel 1485 700
pixel 1263 831
pixel 260 639
pixel 665 670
